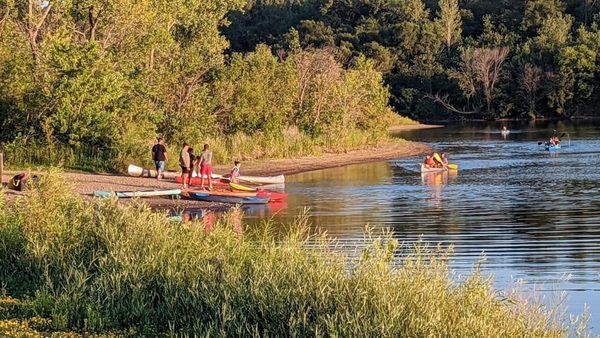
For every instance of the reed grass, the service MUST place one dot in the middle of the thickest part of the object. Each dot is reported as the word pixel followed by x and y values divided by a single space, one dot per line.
pixel 290 143
pixel 102 267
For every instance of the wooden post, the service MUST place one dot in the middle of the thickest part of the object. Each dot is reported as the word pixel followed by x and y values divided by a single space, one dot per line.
pixel 1 167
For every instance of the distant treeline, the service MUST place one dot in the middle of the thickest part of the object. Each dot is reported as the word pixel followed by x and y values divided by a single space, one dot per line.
pixel 449 58
pixel 112 75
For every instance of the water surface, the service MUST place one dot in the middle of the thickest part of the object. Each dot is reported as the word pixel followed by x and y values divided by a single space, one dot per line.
pixel 532 215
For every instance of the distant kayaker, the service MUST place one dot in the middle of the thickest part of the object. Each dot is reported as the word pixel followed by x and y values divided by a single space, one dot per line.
pixel 159 156
pixel 185 164
pixel 554 140
pixel 206 166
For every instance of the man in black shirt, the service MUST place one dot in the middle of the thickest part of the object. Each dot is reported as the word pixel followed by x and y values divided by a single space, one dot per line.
pixel 159 156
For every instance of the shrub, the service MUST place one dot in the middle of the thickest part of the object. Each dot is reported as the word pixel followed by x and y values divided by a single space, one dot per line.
pixel 102 266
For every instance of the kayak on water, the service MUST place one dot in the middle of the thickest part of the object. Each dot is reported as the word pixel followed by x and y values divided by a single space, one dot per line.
pixel 143 193
pixel 555 147
pixel 426 169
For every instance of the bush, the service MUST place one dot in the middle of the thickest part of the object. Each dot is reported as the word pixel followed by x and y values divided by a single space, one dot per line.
pixel 102 267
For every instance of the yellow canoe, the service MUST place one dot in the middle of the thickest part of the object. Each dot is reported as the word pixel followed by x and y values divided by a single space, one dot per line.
pixel 239 187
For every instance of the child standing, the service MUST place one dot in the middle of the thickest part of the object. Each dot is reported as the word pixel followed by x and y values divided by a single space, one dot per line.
pixel 235 172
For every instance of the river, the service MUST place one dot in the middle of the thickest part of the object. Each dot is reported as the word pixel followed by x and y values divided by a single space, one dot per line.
pixel 531 217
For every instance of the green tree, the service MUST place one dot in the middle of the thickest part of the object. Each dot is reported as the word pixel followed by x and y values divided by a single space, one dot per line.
pixel 450 22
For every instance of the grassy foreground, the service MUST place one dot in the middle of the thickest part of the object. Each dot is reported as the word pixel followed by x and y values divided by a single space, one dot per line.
pixel 68 265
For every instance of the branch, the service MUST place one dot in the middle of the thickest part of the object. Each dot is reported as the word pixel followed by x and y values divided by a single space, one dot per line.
pixel 444 103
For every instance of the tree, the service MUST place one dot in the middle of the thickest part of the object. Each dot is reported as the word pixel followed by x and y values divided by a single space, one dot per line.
pixel 530 79
pixel 479 72
pixel 574 82
pixel 450 22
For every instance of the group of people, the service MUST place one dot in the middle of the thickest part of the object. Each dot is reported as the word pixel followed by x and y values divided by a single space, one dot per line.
pixel 190 163
pixel 436 161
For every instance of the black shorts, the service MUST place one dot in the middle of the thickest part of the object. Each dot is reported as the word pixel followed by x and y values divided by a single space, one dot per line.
pixel 185 170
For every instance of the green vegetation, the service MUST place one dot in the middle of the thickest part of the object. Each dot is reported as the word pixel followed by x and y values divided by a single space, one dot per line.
pixel 113 75
pixel 70 265
pixel 446 59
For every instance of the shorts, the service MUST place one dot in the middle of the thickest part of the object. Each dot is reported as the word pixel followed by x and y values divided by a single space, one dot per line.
pixel 185 170
pixel 159 165
pixel 206 169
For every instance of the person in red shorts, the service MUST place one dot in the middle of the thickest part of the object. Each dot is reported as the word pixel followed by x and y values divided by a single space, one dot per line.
pixel 206 167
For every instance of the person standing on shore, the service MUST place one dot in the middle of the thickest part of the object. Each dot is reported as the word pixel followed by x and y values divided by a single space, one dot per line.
pixel 193 159
pixel 206 167
pixel 159 156
pixel 185 164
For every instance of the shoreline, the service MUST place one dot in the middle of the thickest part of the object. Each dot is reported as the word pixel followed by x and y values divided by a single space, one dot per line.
pixel 86 183
pixel 411 127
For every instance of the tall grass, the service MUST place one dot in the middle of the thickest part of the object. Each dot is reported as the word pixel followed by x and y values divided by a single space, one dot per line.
pixel 105 267
pixel 226 149
pixel 291 143
pixel 18 155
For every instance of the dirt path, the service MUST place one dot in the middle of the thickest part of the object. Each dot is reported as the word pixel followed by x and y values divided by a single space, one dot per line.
pixel 86 183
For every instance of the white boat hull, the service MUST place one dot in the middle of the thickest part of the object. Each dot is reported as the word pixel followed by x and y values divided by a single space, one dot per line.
pixel 129 194
pixel 136 171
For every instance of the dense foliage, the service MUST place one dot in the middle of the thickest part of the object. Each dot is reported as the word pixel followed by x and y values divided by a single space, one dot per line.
pixel 67 263
pixel 112 75
pixel 450 58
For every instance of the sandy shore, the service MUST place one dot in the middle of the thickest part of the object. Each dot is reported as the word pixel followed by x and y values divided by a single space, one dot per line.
pixel 87 183
pixel 410 127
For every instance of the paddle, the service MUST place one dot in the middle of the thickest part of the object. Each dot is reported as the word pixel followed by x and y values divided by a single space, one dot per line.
pixel 450 166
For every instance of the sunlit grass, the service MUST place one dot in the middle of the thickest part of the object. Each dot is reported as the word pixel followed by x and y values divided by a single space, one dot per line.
pixel 104 267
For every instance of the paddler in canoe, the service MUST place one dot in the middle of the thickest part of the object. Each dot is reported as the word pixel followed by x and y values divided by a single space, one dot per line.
pixel 437 161
pixel 430 162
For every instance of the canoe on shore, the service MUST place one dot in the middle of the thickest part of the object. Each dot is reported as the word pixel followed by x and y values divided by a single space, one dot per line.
pixel 142 193
pixel 136 171
pixel 279 179
pixel 197 180
pixel 273 196
pixel 209 196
